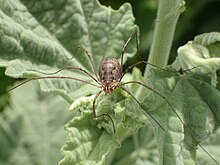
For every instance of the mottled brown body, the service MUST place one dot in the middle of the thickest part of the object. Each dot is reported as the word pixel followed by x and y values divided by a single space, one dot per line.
pixel 110 72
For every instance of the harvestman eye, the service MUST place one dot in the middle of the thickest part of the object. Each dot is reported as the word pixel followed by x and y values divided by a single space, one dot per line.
pixel 108 79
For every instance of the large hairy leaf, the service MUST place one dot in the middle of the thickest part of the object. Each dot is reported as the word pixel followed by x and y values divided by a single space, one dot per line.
pixel 195 102
pixel 90 141
pixel 32 127
pixel 42 35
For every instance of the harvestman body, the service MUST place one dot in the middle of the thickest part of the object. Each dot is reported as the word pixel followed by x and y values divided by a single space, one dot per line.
pixel 110 72
pixel 110 76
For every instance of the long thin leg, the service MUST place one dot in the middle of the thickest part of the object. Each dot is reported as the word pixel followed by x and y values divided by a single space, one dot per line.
pixel 164 98
pixel 94 113
pixel 67 67
pixel 189 69
pixel 124 47
pixel 72 55
pixel 91 60
pixel 93 104
pixel 51 77
pixel 157 93
pixel 145 62
pixel 141 62
pixel 141 106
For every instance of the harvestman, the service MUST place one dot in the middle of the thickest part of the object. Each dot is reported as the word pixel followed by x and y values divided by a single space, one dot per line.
pixel 109 78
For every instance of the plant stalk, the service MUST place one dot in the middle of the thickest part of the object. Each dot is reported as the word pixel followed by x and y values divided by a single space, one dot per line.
pixel 167 16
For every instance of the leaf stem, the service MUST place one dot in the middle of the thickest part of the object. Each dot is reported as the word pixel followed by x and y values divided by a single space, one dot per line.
pixel 167 16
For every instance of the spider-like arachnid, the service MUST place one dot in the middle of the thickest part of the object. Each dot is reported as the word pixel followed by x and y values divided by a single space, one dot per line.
pixel 108 78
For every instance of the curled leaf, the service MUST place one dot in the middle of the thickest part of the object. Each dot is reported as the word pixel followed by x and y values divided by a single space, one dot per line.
pixel 200 56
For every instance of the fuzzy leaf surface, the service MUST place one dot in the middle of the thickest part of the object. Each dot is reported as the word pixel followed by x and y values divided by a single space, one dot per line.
pixel 91 140
pixel 201 55
pixel 190 99
pixel 42 36
pixel 31 132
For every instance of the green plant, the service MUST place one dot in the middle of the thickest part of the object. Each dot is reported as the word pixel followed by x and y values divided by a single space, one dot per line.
pixel 41 36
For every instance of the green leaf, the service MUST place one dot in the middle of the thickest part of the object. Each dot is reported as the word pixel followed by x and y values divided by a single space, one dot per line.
pixel 197 104
pixel 42 36
pixel 211 41
pixel 90 141
pixel 140 149
pixel 31 132
pixel 201 55
pixel 207 39
pixel 213 146
pixel 86 144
